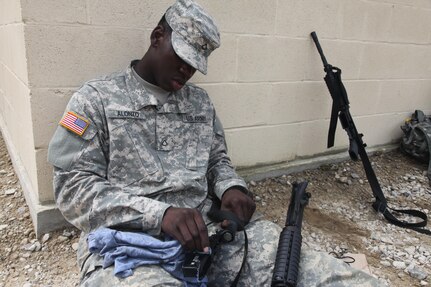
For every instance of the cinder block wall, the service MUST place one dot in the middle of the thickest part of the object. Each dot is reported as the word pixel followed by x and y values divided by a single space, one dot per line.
pixel 265 80
pixel 15 107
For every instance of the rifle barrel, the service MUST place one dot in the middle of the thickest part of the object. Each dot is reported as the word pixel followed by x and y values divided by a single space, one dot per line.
pixel 319 48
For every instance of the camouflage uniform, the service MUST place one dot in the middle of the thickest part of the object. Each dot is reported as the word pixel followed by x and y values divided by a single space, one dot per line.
pixel 132 158
pixel 136 158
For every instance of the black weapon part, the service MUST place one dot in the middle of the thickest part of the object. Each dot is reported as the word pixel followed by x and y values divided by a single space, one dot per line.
pixel 289 246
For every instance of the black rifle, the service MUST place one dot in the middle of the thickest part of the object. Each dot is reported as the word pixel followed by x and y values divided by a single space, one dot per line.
pixel 289 245
pixel 340 109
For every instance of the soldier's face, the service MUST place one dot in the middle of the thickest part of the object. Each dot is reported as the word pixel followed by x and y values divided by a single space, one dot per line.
pixel 171 71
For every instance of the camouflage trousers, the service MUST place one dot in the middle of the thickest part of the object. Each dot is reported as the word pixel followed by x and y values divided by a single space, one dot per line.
pixel 316 269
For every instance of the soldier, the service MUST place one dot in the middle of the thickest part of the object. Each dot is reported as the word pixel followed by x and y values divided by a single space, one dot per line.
pixel 143 150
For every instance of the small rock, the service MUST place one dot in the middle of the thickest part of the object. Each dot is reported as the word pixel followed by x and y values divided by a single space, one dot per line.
pixel 385 263
pixel 75 246
pixel 257 198
pixel 410 250
pixel 10 191
pixel 45 238
pixel 354 175
pixel 37 245
pixel 3 226
pixel 67 234
pixel 416 272
pixel 424 283
pixel 386 240
pixel 399 264
pixel 252 183
pixel 62 238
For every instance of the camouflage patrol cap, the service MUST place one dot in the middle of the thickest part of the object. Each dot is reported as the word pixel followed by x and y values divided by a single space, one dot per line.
pixel 194 33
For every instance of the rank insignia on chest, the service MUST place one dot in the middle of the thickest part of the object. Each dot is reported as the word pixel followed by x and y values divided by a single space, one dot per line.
pixel 74 123
pixel 195 119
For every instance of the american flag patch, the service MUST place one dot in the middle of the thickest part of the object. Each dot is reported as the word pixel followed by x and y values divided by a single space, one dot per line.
pixel 74 123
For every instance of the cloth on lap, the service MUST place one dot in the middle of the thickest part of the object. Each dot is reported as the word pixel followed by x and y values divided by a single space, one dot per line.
pixel 128 250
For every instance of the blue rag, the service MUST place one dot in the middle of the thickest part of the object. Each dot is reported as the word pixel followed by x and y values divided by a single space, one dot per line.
pixel 128 250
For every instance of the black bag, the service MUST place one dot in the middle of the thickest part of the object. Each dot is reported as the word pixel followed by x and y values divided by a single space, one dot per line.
pixel 417 138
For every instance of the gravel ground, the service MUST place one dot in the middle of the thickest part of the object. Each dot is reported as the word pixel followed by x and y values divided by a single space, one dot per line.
pixel 339 218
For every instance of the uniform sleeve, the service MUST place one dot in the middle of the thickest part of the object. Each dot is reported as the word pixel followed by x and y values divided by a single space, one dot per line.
pixel 82 191
pixel 221 174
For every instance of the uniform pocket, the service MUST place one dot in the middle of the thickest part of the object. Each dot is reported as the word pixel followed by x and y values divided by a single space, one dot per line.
pixel 198 151
pixel 131 158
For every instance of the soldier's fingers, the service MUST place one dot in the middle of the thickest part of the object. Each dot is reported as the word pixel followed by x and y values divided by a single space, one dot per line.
pixel 194 238
pixel 202 230
pixel 190 233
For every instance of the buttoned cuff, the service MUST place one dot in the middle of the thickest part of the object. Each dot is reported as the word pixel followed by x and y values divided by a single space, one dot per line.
pixel 221 186
pixel 152 221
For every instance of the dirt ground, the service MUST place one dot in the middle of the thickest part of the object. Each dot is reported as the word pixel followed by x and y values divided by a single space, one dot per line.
pixel 339 218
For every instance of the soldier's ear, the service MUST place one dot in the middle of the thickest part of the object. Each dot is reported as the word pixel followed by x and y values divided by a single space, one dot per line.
pixel 157 35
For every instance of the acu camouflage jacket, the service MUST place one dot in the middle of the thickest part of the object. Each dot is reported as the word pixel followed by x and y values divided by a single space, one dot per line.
pixel 135 158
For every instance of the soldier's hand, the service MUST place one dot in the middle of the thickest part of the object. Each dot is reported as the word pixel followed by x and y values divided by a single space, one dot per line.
pixel 187 226
pixel 234 200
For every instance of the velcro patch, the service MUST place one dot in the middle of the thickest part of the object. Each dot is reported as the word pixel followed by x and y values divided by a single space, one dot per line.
pixel 74 123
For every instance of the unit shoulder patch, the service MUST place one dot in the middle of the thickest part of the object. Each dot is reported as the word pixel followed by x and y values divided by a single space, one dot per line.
pixel 74 123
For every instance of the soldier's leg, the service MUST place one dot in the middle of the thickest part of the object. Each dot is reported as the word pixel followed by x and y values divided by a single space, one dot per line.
pixel 321 269
pixel 262 246
pixel 143 276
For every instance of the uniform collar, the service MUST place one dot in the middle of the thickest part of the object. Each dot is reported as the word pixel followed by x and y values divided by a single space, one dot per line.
pixel 177 101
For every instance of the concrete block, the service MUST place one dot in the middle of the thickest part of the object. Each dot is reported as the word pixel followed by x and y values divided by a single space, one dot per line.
pixel 59 11
pixel 408 3
pixel 395 61
pixel 363 96
pixel 300 18
pixel 418 62
pixel 16 115
pixel 222 63
pixel 240 105
pixel 12 52
pixel 243 16
pixel 423 97
pixel 44 175
pixel 10 12
pixel 384 61
pixel 378 22
pixel 47 107
pixel 410 24
pixel 263 145
pixel 366 20
pixel 2 102
pixel 354 16
pixel 312 138
pixel 130 13
pixel 400 96
pixel 66 56
pixel 381 129
pixel 271 59
pixel 298 102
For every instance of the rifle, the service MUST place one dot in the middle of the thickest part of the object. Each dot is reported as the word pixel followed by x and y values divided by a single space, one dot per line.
pixel 289 245
pixel 340 109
